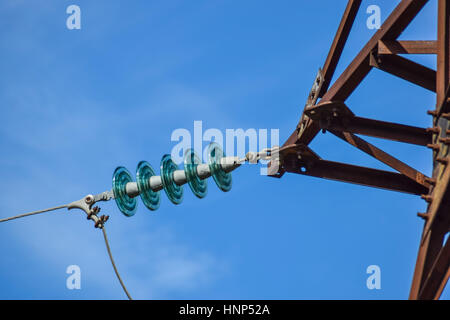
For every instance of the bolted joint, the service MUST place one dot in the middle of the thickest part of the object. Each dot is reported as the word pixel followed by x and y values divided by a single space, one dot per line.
pixel 335 113
pixel 435 130
pixel 446 116
pixel 94 211
pixel 324 123
pixel 427 198
pixel 89 199
pixel 434 147
pixel 101 221
pixel 443 161
pixel 445 140
pixel 423 215
pixel 431 181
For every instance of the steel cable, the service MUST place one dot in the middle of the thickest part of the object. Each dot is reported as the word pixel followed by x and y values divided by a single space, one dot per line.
pixel 33 213
pixel 113 264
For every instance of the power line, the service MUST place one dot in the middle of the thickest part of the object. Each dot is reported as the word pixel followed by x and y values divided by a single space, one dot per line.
pixel 113 264
pixel 101 225
pixel 33 213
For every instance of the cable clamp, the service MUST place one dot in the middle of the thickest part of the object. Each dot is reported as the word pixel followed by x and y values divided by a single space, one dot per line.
pixel 86 204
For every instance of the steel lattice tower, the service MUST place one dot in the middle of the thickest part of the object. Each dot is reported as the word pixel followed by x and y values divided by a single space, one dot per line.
pixel 326 110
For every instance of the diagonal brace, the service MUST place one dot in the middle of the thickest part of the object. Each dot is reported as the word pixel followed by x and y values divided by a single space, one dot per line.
pixel 384 157
pixel 405 69
pixel 438 275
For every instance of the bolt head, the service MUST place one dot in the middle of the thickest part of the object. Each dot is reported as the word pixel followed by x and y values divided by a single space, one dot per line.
pixel 89 199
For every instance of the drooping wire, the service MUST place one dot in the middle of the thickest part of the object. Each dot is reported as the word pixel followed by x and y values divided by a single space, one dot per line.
pixel 104 236
pixel 33 213
pixel 113 263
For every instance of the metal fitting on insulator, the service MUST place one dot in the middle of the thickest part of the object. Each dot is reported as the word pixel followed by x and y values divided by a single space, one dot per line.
pixel 435 147
pixel 252 157
pixel 427 198
pixel 443 161
pixel 423 215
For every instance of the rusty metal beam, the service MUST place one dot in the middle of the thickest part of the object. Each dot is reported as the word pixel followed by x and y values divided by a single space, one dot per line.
pixel 434 230
pixel 405 69
pixel 438 275
pixel 327 72
pixel 384 157
pixel 385 130
pixel 358 175
pixel 349 80
pixel 443 54
pixel 432 266
pixel 338 44
pixel 407 47
pixel 442 285
pixel 443 105
pixel 335 115
pixel 438 214
pixel 429 248
pixel 359 68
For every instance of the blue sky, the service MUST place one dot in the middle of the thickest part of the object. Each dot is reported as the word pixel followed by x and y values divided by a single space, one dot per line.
pixel 75 104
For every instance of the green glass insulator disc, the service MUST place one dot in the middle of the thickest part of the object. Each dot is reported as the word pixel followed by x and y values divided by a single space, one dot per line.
pixel 198 186
pixel 173 191
pixel 150 198
pixel 222 179
pixel 126 204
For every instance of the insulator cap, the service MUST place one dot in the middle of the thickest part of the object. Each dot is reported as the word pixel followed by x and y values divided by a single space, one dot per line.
pixel 173 191
pixel 125 203
pixel 222 179
pixel 198 186
pixel 150 198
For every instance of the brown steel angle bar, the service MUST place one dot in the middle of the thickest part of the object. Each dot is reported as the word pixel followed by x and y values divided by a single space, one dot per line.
pixel 384 157
pixel 407 47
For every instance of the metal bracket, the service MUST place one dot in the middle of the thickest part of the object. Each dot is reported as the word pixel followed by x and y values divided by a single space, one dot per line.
pixel 316 88
pixel 85 204
pixel 329 111
pixel 311 101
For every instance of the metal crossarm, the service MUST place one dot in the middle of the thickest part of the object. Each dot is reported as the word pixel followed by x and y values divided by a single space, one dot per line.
pixel 330 113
